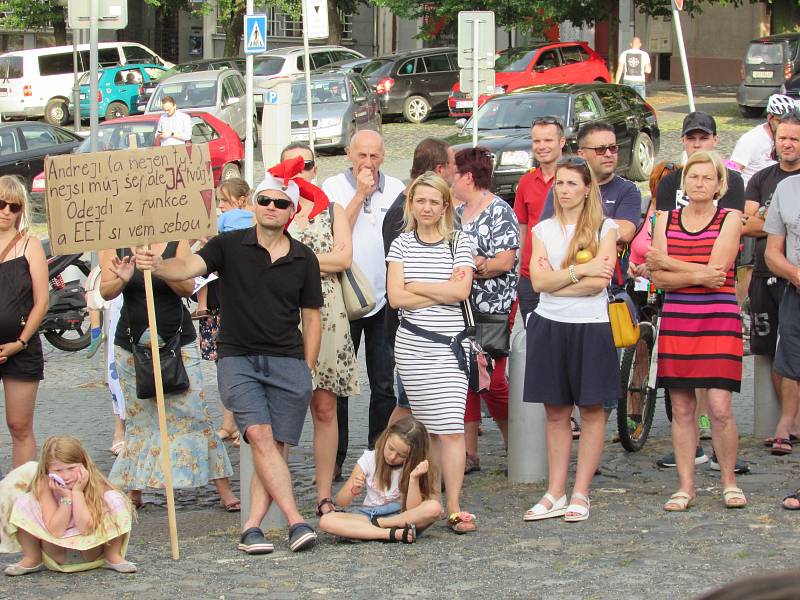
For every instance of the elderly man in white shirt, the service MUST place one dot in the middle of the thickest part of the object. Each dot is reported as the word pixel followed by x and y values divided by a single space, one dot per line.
pixel 174 126
pixel 366 194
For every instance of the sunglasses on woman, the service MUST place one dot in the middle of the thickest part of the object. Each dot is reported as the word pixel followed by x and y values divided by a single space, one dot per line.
pixel 308 165
pixel 280 203
pixel 572 161
pixel 14 207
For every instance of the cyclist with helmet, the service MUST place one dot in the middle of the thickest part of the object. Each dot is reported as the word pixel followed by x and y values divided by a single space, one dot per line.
pixel 755 149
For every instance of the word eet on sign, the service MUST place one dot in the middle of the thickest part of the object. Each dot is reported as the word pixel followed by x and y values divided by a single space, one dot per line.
pixel 129 197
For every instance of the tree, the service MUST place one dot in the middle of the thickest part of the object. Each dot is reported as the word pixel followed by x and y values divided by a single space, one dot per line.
pixel 32 14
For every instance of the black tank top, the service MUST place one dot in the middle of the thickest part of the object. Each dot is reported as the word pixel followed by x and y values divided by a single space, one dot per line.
pixel 16 296
pixel 171 314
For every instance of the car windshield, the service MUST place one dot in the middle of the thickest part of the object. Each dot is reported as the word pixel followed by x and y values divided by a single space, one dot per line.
pixel 323 91
pixel 765 54
pixel 518 113
pixel 270 65
pixel 379 66
pixel 188 94
pixel 116 136
pixel 514 59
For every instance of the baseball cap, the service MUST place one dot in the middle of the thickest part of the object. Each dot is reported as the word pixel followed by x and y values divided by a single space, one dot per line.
pixel 699 121
pixel 272 183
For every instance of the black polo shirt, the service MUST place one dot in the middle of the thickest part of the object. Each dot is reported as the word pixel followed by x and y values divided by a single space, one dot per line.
pixel 670 196
pixel 260 301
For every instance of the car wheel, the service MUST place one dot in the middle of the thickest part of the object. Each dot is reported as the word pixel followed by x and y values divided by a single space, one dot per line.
pixel 352 130
pixel 56 112
pixel 416 109
pixel 642 158
pixel 229 171
pixel 751 112
pixel 116 110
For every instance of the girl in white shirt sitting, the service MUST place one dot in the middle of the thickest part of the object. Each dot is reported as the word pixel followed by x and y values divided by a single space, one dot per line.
pixel 402 493
pixel 571 358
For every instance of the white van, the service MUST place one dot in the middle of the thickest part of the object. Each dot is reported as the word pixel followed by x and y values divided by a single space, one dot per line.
pixel 38 83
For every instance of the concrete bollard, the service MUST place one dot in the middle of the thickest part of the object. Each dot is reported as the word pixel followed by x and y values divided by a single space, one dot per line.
pixel 766 405
pixel 275 518
pixel 527 443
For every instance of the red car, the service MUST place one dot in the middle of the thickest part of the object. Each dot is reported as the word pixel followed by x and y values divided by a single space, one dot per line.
pixel 560 62
pixel 224 145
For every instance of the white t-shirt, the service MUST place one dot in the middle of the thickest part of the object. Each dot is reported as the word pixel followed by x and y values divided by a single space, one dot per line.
pixel 179 125
pixel 582 309
pixel 754 151
pixel 376 497
pixel 635 62
pixel 368 231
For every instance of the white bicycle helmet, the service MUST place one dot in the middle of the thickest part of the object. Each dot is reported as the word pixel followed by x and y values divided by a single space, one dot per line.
pixel 779 104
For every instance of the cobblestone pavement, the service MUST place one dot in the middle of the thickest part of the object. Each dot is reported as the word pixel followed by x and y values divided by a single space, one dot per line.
pixel 629 546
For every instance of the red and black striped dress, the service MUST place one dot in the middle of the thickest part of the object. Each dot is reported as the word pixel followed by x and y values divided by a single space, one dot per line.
pixel 700 333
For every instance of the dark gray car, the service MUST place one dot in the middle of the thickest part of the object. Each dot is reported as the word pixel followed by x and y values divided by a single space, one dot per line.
pixel 343 103
pixel 24 145
pixel 414 84
pixel 771 66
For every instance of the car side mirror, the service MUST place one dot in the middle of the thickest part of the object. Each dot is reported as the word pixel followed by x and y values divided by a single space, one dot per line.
pixel 584 116
pixel 540 68
pixel 232 100
pixel 360 99
pixel 461 122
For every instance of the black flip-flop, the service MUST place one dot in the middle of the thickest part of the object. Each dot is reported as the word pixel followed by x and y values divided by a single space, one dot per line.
pixel 795 496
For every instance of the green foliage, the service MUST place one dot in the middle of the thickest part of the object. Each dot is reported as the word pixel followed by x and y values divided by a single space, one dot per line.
pixel 26 14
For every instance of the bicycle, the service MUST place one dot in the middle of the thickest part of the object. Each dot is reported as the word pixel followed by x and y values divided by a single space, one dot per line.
pixel 638 371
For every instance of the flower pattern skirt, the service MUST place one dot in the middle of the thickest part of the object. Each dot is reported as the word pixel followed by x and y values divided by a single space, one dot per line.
pixel 197 453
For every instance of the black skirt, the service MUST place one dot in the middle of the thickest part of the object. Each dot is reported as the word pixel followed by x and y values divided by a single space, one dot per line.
pixel 570 363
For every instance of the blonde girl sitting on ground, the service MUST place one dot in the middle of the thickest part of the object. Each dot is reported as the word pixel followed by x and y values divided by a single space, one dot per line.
pixel 402 495
pixel 72 519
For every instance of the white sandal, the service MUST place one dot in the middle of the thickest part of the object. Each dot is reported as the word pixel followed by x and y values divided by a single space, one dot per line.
pixel 581 510
pixel 539 511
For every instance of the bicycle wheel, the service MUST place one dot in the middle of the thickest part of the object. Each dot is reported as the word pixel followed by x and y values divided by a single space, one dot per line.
pixel 637 405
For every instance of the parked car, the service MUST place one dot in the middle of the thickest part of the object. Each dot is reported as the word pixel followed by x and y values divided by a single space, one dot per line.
pixel 224 146
pixel 220 93
pixel 211 64
pixel 24 144
pixel 414 84
pixel 504 126
pixel 117 89
pixel 561 62
pixel 284 62
pixel 38 83
pixel 771 66
pixel 342 103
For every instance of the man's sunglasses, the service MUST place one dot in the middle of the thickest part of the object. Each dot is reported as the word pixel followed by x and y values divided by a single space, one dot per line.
pixel 14 207
pixel 280 203
pixel 548 121
pixel 308 165
pixel 601 150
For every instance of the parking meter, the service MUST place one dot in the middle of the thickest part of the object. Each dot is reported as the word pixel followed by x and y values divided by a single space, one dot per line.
pixel 276 118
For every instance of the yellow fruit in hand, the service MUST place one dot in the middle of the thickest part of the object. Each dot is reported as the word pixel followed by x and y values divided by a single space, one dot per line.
pixel 583 256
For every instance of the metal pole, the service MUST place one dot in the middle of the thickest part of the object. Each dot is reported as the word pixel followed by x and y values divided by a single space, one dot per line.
pixel 76 90
pixel 676 19
pixel 94 13
pixel 307 69
pixel 249 106
pixel 475 87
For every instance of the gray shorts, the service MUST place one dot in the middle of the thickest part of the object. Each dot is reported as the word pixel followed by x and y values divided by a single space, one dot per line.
pixel 787 354
pixel 266 390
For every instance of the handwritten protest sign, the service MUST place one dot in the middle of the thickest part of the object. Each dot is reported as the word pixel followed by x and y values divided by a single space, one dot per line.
pixel 129 197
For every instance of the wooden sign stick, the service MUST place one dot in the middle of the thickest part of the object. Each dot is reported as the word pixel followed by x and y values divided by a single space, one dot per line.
pixel 166 459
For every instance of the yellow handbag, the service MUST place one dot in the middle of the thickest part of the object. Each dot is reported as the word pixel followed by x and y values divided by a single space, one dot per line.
pixel 624 319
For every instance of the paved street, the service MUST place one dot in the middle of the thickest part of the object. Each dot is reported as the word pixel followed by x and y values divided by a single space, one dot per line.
pixel 629 548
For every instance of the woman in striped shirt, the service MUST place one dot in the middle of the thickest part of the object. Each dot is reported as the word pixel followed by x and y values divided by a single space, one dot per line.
pixel 700 336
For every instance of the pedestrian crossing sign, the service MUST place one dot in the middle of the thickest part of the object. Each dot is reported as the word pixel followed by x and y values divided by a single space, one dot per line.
pixel 255 34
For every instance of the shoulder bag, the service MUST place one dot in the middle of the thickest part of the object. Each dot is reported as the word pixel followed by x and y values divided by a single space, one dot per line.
pixel 359 297
pixel 622 314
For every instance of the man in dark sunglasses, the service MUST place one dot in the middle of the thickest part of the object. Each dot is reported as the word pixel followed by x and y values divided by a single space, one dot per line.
pixel 269 285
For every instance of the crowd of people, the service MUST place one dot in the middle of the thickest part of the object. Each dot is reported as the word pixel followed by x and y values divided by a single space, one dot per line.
pixel 450 264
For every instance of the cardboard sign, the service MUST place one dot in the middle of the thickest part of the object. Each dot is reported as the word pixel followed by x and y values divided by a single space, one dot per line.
pixel 128 198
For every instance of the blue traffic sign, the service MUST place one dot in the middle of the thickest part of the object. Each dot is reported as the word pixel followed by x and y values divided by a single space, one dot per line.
pixel 255 34
pixel 271 97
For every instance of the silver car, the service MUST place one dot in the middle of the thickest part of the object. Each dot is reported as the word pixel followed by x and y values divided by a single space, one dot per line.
pixel 220 93
pixel 343 103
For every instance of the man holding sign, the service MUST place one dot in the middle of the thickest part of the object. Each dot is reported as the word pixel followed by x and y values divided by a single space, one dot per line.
pixel 269 283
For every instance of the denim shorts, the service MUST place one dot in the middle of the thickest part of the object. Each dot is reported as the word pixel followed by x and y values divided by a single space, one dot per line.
pixel 266 390
pixel 386 510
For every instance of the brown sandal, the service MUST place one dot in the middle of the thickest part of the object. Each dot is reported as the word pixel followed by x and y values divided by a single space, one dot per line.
pixel 326 502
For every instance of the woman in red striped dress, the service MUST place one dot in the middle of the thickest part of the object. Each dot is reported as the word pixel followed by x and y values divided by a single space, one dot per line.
pixel 700 335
